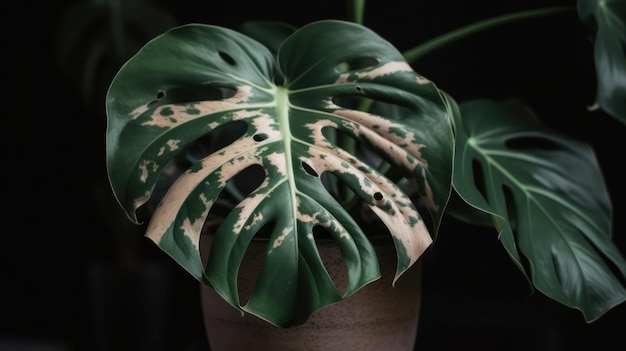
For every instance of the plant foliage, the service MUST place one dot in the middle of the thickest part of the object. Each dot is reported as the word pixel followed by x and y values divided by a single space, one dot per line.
pixel 327 125
pixel 195 79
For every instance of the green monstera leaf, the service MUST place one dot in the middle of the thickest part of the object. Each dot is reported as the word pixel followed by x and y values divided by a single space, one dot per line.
pixel 548 200
pixel 269 33
pixel 197 79
pixel 95 37
pixel 607 18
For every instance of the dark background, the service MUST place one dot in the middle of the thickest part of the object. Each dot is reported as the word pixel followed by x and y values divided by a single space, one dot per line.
pixel 67 283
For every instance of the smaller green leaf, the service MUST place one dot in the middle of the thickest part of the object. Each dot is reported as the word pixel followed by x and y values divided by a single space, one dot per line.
pixel 551 193
pixel 476 211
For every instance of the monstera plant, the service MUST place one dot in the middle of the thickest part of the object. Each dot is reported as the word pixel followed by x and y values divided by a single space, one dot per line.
pixel 326 130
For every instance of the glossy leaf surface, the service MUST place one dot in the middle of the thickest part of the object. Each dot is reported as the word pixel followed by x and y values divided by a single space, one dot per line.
pixel 607 18
pixel 196 79
pixel 550 193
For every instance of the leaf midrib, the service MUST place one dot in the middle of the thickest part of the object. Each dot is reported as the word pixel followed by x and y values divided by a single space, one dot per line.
pixel 282 112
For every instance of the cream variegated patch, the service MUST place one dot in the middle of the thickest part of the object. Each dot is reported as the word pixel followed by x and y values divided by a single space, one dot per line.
pixel 188 181
pixel 192 227
pixel 384 134
pixel 241 155
pixel 257 217
pixel 146 167
pixel 170 115
pixel 393 207
pixel 404 149
pixel 170 145
pixel 279 162
pixel 322 219
pixel 376 125
pixel 423 80
pixel 258 117
pixel 247 207
pixel 413 235
pixel 387 68
pixel 282 237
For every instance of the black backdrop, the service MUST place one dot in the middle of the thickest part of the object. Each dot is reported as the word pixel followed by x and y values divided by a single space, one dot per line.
pixel 53 238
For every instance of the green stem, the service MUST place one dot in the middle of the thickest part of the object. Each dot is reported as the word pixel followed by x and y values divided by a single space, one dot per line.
pixel 357 11
pixel 465 31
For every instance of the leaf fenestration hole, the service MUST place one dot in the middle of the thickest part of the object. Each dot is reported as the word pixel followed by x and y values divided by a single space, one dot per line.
pixel 373 105
pixel 479 177
pixel 260 137
pixel 511 210
pixel 307 168
pixel 532 143
pixel 181 160
pixel 360 148
pixel 339 190
pixel 352 102
pixel 252 263
pixel 159 96
pixel 191 94
pixel 215 140
pixel 236 189
pixel 356 64
pixel 558 269
pixel 332 260
pixel 227 58
pixel 249 179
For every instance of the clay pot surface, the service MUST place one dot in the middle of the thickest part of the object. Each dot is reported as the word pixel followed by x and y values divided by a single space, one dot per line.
pixel 378 317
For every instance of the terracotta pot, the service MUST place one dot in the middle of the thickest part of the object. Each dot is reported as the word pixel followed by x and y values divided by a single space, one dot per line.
pixel 378 317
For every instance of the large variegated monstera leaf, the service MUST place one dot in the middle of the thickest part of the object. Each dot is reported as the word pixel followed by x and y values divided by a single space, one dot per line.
pixel 195 79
